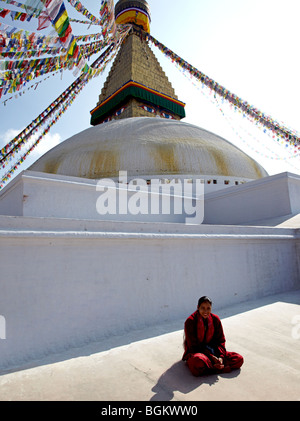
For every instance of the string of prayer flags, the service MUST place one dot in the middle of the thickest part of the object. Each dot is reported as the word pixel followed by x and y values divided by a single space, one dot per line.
pixel 12 39
pixel 88 37
pixel 60 20
pixel 8 151
pixel 33 5
pixel 54 119
pixel 81 9
pixel 33 86
pixel 22 52
pixel 16 15
pixel 26 6
pixel 107 13
pixel 18 70
pixel 22 137
pixel 248 110
pixel 85 22
pixel 263 149
pixel 14 146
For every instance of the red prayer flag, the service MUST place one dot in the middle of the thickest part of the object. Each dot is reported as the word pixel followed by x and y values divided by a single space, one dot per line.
pixel 67 33
pixel 4 13
pixel 44 21
pixel 2 41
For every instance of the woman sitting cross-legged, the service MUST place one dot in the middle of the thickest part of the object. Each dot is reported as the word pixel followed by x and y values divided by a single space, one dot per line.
pixel 204 344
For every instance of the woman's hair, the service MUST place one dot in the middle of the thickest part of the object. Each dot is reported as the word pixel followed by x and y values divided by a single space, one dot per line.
pixel 204 299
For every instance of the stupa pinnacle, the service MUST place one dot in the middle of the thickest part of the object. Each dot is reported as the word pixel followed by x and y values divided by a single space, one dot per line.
pixel 133 11
pixel 136 86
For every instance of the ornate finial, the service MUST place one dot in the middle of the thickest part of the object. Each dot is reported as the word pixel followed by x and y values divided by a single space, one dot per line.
pixel 133 11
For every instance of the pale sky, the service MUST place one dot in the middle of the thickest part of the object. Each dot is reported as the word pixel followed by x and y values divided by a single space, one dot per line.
pixel 250 47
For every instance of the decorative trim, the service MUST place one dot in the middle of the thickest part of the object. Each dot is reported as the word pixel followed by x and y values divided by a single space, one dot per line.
pixel 136 90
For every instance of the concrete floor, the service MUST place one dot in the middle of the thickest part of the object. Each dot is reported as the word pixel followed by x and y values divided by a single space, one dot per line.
pixel 146 365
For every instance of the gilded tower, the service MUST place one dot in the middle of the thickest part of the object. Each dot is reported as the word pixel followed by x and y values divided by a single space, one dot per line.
pixel 136 86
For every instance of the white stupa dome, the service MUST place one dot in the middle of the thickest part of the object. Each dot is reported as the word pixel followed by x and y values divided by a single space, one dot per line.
pixel 146 146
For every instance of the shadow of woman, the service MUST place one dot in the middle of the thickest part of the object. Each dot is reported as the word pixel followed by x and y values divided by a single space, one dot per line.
pixel 178 378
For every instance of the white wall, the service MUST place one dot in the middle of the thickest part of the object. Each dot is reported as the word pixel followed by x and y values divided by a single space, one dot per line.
pixel 258 200
pixel 11 198
pixel 46 195
pixel 65 282
pixel 65 288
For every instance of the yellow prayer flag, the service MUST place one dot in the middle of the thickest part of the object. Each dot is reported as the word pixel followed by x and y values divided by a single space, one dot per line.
pixel 61 21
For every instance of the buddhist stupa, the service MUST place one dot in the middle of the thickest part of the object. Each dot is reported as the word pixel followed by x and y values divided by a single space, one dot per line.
pixel 78 272
pixel 138 125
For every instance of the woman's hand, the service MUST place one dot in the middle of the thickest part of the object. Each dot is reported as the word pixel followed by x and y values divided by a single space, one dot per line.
pixel 217 362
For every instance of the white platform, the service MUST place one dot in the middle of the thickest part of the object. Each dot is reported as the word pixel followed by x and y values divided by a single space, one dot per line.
pixel 269 197
pixel 47 195
pixel 66 283
pixel 68 278
pixel 145 365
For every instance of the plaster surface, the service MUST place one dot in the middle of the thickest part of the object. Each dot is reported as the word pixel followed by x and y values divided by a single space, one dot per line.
pixel 145 365
pixel 66 282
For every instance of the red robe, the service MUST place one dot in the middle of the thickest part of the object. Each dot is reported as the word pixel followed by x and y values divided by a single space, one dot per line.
pixel 203 339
